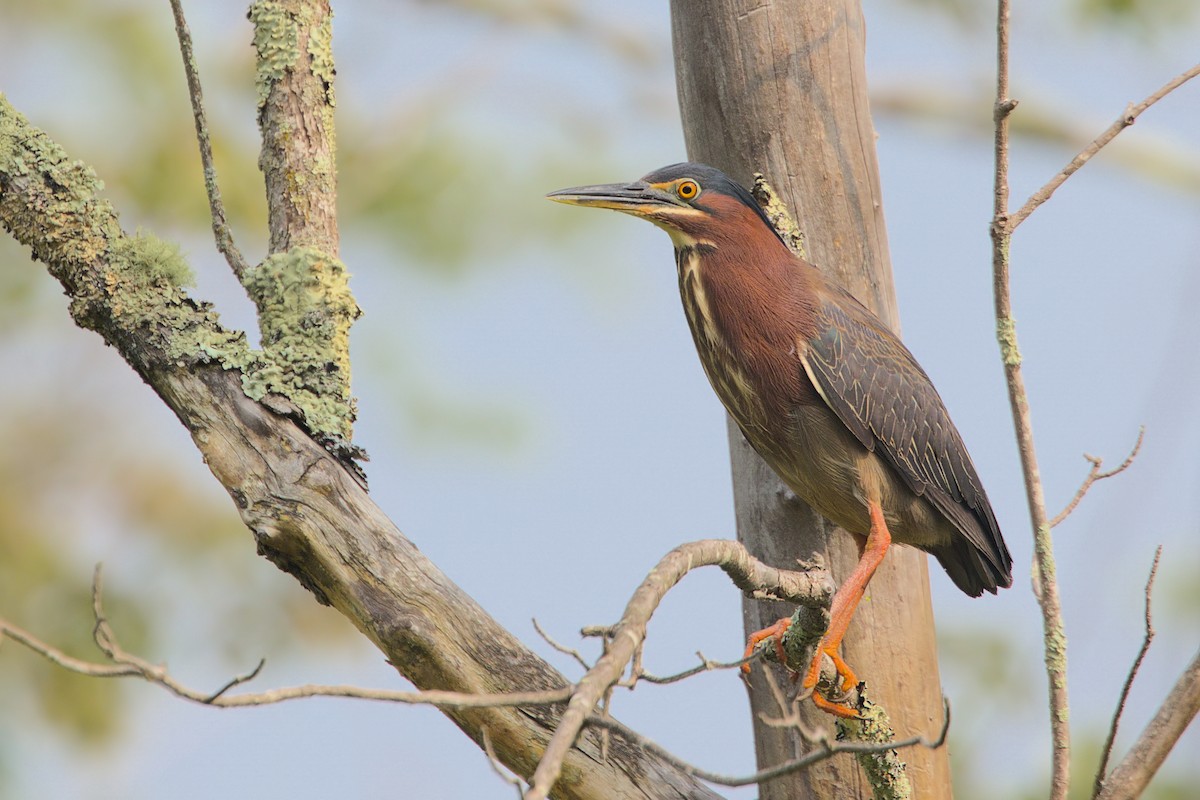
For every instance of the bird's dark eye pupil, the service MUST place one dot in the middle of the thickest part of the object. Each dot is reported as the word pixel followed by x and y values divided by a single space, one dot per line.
pixel 687 190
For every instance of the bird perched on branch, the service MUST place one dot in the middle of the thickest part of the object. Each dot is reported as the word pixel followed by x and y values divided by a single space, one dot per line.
pixel 821 388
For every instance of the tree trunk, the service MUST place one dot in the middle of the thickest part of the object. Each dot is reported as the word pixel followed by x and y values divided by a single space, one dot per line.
pixel 779 87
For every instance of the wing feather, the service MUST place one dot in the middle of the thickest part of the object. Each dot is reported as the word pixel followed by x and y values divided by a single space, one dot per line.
pixel 878 390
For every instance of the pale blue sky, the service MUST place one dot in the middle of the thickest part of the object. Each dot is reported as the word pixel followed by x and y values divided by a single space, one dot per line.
pixel 623 451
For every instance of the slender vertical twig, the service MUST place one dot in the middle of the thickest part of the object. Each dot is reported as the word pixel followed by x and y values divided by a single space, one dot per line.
pixel 220 227
pixel 1106 752
pixel 1055 640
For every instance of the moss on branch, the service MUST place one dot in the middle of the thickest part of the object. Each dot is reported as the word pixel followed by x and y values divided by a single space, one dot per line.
pixel 130 288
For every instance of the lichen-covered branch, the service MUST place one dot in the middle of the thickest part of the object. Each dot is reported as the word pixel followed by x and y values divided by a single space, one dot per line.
pixel 294 43
pixel 309 515
pixel 305 308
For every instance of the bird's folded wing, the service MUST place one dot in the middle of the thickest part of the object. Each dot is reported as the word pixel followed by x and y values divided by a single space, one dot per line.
pixel 879 391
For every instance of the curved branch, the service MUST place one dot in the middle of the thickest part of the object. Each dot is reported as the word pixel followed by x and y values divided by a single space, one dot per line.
pixel 749 574
pixel 1106 750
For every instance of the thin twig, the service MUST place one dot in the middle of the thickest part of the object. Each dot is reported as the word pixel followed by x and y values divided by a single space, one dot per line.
pixel 216 207
pixel 125 664
pixel 705 665
pixel 1096 475
pixel 1122 122
pixel 236 680
pixel 497 767
pixel 562 648
pixel 827 750
pixel 1106 752
pixel 749 574
pixel 1053 631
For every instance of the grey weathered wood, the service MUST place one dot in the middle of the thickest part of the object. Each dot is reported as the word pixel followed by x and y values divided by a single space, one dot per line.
pixel 779 87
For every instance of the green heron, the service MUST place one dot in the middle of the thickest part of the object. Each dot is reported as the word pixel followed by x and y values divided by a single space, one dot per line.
pixel 820 387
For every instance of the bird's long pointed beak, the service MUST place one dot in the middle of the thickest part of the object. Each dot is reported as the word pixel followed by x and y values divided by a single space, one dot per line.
pixel 638 198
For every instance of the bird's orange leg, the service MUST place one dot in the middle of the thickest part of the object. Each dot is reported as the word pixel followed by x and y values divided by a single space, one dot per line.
pixel 842 610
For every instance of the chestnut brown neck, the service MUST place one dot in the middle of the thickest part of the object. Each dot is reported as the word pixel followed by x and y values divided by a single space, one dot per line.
pixel 748 302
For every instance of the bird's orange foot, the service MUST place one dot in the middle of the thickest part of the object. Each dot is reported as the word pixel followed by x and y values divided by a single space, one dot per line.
pixel 848 681
pixel 775 632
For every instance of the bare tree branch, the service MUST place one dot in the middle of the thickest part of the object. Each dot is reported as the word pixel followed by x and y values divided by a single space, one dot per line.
pixel 497 767
pixel 1106 751
pixel 749 574
pixel 1003 225
pixel 1140 764
pixel 1083 156
pixel 1053 632
pixel 125 664
pixel 562 648
pixel 1096 475
pixel 825 749
pixel 220 228
pixel 705 665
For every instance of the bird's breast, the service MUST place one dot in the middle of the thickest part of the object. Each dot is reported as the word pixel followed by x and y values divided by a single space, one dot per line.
pixel 722 361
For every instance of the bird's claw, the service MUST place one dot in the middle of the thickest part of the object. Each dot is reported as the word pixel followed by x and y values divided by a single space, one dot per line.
pixel 775 632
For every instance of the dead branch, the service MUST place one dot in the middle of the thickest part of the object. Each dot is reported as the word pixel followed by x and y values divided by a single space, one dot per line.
pixel 1095 475
pixel 1083 156
pixel 497 767
pixel 124 664
pixel 705 665
pixel 825 749
pixel 562 648
pixel 220 228
pixel 749 574
pixel 1054 637
pixel 1106 751
pixel 1177 711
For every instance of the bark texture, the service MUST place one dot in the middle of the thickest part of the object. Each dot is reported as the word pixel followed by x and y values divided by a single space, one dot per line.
pixel 779 87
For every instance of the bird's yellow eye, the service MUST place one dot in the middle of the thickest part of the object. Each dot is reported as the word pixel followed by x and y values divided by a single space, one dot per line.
pixel 687 190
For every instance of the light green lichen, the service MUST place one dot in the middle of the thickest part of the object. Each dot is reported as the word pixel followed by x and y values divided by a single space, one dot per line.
pixel 61 218
pixel 1006 335
pixel 276 40
pixel 305 310
pixel 156 259
pixel 887 774
pixel 764 194
pixel 320 48
pixel 126 287
pixel 130 288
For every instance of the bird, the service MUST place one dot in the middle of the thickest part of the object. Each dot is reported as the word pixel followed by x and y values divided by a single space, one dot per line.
pixel 821 388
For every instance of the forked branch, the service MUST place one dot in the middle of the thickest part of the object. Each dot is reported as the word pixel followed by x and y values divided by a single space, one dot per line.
pixel 1106 751
pixel 749 574
pixel 1095 475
